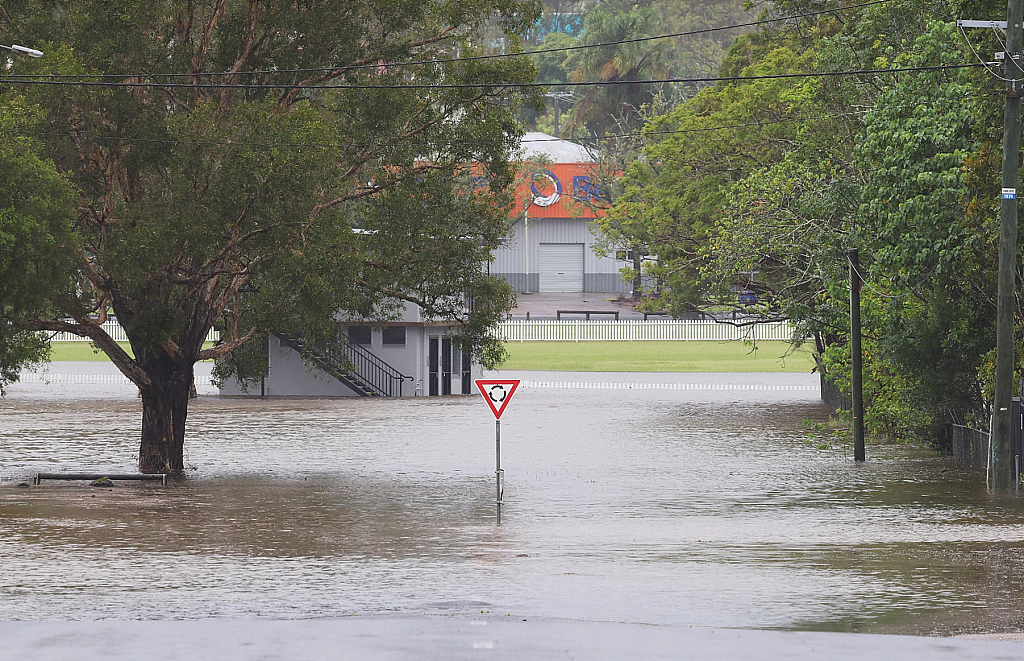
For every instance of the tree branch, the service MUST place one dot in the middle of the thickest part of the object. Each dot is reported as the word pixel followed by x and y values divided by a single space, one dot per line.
pixel 224 348
pixel 86 327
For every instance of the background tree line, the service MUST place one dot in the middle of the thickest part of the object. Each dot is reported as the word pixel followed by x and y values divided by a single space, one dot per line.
pixel 764 185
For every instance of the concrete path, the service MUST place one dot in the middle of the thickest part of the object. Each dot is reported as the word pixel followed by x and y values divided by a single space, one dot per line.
pixel 462 637
pixel 546 305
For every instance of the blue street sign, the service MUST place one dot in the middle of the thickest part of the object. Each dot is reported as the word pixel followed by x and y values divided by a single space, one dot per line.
pixel 1009 193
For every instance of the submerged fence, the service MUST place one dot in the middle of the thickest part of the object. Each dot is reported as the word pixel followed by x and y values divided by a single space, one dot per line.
pixel 115 332
pixel 969 447
pixel 833 396
pixel 578 330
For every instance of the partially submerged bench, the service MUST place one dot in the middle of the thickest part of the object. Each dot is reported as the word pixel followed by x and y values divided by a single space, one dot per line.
pixel 136 477
pixel 559 313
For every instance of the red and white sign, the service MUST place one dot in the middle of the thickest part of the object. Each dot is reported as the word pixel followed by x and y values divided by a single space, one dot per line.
pixel 497 393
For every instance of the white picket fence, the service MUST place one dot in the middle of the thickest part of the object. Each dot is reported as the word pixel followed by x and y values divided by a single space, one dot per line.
pixel 116 333
pixel 577 330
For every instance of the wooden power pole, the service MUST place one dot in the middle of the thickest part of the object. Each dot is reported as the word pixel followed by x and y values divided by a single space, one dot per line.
pixel 1003 472
pixel 1002 463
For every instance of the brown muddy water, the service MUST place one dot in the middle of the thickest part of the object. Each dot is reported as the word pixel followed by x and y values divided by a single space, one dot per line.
pixel 676 499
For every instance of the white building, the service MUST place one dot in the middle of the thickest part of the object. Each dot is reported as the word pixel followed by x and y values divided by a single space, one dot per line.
pixel 551 246
pixel 550 250
pixel 402 358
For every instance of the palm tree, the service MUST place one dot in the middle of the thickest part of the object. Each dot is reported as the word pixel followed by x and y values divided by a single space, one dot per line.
pixel 602 106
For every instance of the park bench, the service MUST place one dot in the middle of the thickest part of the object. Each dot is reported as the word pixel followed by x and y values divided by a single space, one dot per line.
pixel 141 477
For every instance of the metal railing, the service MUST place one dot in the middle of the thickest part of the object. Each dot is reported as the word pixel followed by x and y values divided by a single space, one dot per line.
pixel 579 330
pixel 116 333
pixel 376 373
pixel 350 363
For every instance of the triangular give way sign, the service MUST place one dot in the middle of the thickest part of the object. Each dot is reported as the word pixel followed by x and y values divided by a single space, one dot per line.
pixel 497 393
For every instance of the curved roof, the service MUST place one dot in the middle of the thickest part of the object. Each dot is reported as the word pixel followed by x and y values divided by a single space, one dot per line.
pixel 554 149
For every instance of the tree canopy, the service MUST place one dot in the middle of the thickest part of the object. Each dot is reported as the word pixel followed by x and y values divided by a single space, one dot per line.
pixel 764 185
pixel 256 167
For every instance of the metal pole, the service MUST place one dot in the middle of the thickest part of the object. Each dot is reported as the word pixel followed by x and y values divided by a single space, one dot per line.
pixel 526 247
pixel 857 382
pixel 497 465
pixel 1002 464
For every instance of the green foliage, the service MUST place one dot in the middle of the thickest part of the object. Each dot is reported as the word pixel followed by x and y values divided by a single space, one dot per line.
pixel 603 111
pixel 600 106
pixel 35 240
pixel 262 210
pixel 768 183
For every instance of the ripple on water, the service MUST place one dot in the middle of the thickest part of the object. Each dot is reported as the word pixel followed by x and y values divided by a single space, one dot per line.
pixel 668 505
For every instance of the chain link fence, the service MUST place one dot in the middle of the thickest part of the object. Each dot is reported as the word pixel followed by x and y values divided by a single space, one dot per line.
pixel 969 447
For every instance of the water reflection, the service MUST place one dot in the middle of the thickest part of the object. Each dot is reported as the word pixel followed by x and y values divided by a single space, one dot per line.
pixel 665 506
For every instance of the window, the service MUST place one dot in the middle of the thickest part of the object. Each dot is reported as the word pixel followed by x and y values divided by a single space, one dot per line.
pixel 360 334
pixel 394 335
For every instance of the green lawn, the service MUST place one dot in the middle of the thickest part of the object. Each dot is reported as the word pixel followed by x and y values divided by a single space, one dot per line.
pixel 638 356
pixel 645 356
pixel 78 351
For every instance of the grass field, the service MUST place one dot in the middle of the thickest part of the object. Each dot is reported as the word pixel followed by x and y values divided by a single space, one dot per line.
pixel 84 351
pixel 600 356
pixel 646 356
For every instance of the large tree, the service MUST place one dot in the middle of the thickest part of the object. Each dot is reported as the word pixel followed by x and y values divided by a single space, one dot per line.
pixel 262 167
pixel 766 184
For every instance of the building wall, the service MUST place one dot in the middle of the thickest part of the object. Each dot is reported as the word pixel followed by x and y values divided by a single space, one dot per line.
pixel 289 376
pixel 517 260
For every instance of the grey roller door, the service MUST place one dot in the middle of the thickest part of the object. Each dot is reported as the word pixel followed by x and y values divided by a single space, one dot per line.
pixel 561 266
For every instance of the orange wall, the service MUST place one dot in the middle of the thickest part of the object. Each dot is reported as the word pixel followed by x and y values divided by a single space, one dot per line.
pixel 577 186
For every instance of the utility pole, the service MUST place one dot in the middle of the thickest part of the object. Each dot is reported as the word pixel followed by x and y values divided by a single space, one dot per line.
pixel 1002 464
pixel 856 357
pixel 1003 471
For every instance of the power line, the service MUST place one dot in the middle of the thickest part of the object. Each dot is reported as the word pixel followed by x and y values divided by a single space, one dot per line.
pixel 867 284
pixel 590 83
pixel 321 145
pixel 471 58
pixel 987 65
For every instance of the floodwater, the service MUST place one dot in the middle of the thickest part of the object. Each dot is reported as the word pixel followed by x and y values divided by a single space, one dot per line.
pixel 653 498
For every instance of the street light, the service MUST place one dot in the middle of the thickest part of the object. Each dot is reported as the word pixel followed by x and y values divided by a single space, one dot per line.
pixel 24 50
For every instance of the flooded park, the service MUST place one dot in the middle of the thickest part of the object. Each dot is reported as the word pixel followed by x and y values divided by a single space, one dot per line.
pixel 678 499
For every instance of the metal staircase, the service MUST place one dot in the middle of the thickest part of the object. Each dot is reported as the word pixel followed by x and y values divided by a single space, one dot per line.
pixel 362 371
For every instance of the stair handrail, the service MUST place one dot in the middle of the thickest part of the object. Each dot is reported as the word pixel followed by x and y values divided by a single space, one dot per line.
pixel 367 368
pixel 371 368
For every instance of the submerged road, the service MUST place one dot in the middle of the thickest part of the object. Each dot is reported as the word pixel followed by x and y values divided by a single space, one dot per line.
pixel 657 501
pixel 455 638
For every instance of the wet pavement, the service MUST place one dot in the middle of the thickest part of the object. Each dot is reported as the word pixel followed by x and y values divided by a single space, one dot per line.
pixel 545 305
pixel 495 639
pixel 671 500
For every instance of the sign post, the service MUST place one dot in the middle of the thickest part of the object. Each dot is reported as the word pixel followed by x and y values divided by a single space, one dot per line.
pixel 497 393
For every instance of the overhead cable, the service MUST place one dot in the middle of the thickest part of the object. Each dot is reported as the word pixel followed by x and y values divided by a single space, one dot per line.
pixel 321 145
pixel 483 85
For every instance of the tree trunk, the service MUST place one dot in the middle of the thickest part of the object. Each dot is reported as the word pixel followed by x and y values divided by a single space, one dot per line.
pixel 164 408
